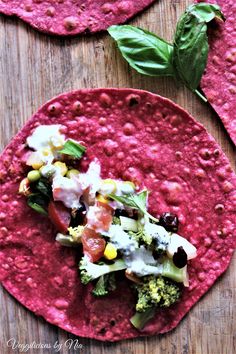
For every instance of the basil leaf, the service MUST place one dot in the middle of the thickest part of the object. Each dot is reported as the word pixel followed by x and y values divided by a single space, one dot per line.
pixel 185 60
pixel 73 148
pixel 135 201
pixel 44 187
pixel 144 51
pixel 127 200
pixel 191 44
pixel 190 51
pixel 206 12
pixel 37 203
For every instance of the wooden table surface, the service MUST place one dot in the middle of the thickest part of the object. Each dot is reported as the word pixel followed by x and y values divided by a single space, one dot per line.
pixel 35 67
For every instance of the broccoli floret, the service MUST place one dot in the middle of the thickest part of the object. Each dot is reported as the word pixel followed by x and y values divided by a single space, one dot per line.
pixel 90 271
pixel 73 239
pixel 104 284
pixel 111 281
pixel 139 319
pixel 141 237
pixel 100 287
pixel 152 293
pixel 156 291
pixel 116 220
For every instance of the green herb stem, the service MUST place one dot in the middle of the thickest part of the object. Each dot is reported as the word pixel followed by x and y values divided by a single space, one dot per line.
pixel 200 95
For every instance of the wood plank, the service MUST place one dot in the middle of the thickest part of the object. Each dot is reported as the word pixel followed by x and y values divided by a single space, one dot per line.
pixel 35 67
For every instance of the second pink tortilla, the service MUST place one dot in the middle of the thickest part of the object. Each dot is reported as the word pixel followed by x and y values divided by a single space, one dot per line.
pixel 219 81
pixel 67 17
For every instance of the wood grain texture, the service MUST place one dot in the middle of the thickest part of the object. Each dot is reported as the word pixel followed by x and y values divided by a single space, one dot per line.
pixel 35 67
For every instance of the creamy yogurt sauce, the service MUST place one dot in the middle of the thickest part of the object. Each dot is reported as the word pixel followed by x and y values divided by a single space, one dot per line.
pixel 139 260
pixel 46 136
pixel 46 140
pixel 121 240
pixel 67 191
pixel 158 233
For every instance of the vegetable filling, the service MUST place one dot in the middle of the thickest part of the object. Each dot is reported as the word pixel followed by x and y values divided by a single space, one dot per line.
pixel 109 220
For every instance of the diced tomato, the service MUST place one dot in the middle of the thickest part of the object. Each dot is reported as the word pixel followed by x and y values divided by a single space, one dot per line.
pixel 93 244
pixel 99 218
pixel 105 205
pixel 59 215
pixel 106 217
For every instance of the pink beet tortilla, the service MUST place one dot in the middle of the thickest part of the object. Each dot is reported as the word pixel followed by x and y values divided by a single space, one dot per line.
pixel 67 17
pixel 137 136
pixel 219 81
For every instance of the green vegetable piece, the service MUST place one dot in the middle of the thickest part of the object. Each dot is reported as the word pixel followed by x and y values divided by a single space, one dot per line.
pixel 129 224
pixel 135 201
pixel 33 175
pixel 144 51
pixel 172 272
pixel 111 281
pixel 141 237
pixel 116 220
pixel 44 187
pixel 100 287
pixel 104 284
pixel 90 271
pixel 67 240
pixel 37 203
pixel 191 44
pixel 140 319
pixel 72 148
pixel 156 291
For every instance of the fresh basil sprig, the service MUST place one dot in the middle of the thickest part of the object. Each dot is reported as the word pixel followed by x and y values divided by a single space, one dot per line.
pixel 191 43
pixel 40 196
pixel 144 51
pixel 37 202
pixel 72 148
pixel 185 60
pixel 44 187
pixel 135 201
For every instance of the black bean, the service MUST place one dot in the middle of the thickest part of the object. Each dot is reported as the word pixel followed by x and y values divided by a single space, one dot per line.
pixel 180 258
pixel 169 221
pixel 121 212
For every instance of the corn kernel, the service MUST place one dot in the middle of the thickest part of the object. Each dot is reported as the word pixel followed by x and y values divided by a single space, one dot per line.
pixel 108 186
pixel 62 166
pixel 110 251
pixel 100 198
pixel 36 166
pixel 72 172
pixel 34 160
